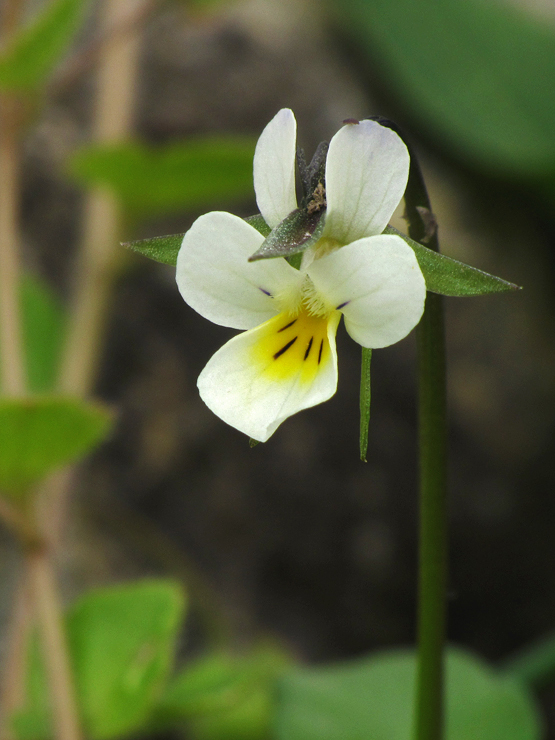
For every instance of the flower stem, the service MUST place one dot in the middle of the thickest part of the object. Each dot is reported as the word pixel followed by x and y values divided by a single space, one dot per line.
pixel 432 423
pixel 433 523
pixel 432 434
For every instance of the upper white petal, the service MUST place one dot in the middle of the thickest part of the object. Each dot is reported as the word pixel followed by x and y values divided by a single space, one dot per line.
pixel 274 168
pixel 240 385
pixel 377 284
pixel 367 169
pixel 215 278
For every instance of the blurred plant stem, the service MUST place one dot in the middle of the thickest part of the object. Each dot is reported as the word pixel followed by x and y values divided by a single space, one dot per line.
pixel 12 371
pixel 95 274
pixel 12 367
pixel 39 584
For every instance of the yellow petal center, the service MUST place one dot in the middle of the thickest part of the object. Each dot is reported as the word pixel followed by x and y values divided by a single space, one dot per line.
pixel 295 344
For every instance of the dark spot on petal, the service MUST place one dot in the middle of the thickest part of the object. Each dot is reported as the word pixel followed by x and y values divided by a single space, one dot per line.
pixel 283 328
pixel 285 348
pixel 342 305
pixel 265 291
pixel 320 351
pixel 308 348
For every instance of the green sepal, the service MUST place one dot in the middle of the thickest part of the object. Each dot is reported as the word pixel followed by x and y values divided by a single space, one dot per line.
pixel 257 221
pixel 294 234
pixel 165 249
pixel 450 277
pixel 365 396
pixel 34 51
pixel 162 249
pixel 42 433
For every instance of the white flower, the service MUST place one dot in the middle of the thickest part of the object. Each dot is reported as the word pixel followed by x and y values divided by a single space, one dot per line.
pixel 286 361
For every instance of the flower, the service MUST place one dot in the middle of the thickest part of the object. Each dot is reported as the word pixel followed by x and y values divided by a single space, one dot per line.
pixel 286 359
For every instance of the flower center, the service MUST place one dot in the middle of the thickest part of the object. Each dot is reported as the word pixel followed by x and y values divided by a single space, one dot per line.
pixel 296 343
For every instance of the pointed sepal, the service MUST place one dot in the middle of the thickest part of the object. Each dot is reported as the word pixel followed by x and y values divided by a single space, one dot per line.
pixel 446 276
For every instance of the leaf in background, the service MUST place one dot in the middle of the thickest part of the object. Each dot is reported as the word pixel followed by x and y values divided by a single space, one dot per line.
pixel 479 74
pixel 42 433
pixel 198 173
pixel 32 54
pixel 224 696
pixel 447 276
pixel 122 642
pixel 43 333
pixel 373 698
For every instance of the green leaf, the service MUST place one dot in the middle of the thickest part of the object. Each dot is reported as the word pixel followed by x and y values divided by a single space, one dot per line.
pixel 162 249
pixel 365 397
pixel 32 54
pixel 165 249
pixel 225 696
pixel 42 433
pixel 192 175
pixel 43 332
pixel 122 642
pixel 373 698
pixel 447 276
pixel 477 75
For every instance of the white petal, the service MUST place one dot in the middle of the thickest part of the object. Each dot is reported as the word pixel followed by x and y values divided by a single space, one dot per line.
pixel 261 377
pixel 378 286
pixel 274 168
pixel 216 279
pixel 367 169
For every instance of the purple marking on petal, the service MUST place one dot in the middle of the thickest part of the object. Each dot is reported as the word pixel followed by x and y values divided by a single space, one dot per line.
pixel 265 291
pixel 342 305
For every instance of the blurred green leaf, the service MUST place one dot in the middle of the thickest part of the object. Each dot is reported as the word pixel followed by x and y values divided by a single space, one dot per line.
pixel 42 433
pixel 447 276
pixel 479 74
pixel 165 249
pixel 43 332
pixel 33 52
pixel 224 696
pixel 198 173
pixel 373 698
pixel 122 642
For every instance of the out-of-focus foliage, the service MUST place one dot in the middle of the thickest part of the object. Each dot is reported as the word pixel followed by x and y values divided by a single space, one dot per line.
pixel 43 322
pixel 41 433
pixel 195 174
pixel 223 696
pixel 122 642
pixel 478 73
pixel 373 698
pixel 33 52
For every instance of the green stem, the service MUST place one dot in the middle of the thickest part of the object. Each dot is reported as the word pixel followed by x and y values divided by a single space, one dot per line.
pixel 432 422
pixel 433 522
